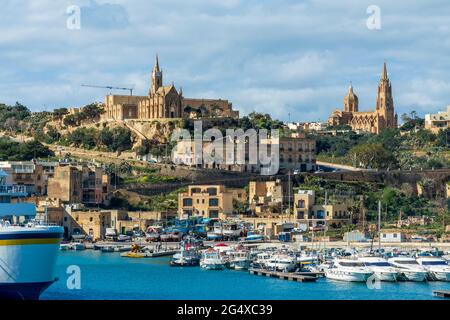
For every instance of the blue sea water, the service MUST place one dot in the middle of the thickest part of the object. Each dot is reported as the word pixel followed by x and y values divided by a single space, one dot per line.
pixel 108 276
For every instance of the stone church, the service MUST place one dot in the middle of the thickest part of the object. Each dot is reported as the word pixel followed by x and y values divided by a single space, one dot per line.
pixel 164 102
pixel 369 121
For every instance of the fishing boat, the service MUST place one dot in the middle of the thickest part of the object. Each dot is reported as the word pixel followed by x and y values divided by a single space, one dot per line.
pixel 348 270
pixel 254 237
pixel 382 269
pixel 261 260
pixel 409 268
pixel 437 267
pixel 212 260
pixel 153 233
pixel 28 251
pixel 186 257
pixel 239 259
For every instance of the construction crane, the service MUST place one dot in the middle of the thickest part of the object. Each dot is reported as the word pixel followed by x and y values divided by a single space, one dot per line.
pixel 109 87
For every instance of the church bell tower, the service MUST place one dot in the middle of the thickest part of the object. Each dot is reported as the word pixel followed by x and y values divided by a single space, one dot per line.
pixel 157 77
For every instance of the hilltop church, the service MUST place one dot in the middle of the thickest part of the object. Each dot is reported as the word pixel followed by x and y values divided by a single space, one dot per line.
pixel 164 102
pixel 369 121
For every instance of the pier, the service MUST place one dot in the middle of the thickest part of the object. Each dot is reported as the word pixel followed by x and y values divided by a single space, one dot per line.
pixel 441 293
pixel 299 277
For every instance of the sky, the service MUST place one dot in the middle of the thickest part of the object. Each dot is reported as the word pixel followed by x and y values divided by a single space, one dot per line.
pixel 292 59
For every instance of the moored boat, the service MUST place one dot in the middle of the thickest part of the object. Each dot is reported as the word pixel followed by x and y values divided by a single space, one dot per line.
pixel 409 268
pixel 437 267
pixel 211 260
pixel 382 269
pixel 348 270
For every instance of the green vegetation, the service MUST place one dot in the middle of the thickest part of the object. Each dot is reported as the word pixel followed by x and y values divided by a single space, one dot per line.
pixel 115 139
pixel 15 151
pixel 164 202
pixel 396 202
pixel 409 147
pixel 89 112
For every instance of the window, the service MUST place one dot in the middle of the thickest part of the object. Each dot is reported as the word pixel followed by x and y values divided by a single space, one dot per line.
pixel 395 235
pixel 213 202
pixel 213 213
pixel 301 203
pixel 212 191
pixel 187 202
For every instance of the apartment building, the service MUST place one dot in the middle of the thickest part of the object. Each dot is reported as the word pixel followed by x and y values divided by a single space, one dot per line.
pixel 438 121
pixel 313 214
pixel 209 201
pixel 79 184
pixel 267 197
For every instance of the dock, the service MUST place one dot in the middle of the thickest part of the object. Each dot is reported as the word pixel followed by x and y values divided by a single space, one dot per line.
pixel 292 276
pixel 441 293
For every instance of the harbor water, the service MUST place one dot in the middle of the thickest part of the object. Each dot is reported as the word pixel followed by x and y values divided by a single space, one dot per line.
pixel 108 276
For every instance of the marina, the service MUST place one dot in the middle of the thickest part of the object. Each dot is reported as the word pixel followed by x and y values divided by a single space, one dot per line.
pixel 109 276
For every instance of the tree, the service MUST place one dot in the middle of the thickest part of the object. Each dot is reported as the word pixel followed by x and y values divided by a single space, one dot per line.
pixel 372 155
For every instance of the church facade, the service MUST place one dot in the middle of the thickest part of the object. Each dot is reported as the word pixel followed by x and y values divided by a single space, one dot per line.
pixel 368 121
pixel 164 102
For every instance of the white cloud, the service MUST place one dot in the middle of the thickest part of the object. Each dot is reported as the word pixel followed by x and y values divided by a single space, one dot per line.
pixel 279 57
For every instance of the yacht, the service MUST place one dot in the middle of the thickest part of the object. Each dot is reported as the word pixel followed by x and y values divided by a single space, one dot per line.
pixel 409 268
pixel 28 251
pixel 382 269
pixel 212 260
pixel 437 267
pixel 348 270
pixel 282 262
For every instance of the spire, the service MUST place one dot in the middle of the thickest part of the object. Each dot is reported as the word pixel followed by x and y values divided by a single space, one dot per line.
pixel 350 88
pixel 384 75
pixel 157 63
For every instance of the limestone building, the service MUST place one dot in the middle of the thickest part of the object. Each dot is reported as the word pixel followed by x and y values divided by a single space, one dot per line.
pixel 209 201
pixel 164 102
pixel 438 121
pixel 369 121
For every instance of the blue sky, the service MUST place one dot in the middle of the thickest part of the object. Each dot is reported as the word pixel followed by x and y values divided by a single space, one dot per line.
pixel 281 57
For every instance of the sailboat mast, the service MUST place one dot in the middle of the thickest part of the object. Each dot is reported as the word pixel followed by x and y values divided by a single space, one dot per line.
pixel 379 224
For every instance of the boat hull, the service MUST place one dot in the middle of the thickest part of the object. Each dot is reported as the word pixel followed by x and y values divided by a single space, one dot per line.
pixel 28 260
pixel 23 291
pixel 415 276
pixel 347 276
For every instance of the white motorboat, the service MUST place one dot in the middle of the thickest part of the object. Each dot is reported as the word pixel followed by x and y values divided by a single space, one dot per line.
pixel 437 267
pixel 382 269
pixel 409 268
pixel 77 246
pixel 348 270
pixel 64 246
pixel 239 259
pixel 212 260
pixel 282 262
